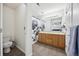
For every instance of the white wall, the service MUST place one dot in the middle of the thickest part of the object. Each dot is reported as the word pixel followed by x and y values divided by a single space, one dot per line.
pixel 19 27
pixel 24 37
pixel 8 22
pixel 28 30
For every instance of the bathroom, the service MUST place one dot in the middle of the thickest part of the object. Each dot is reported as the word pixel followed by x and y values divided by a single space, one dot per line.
pixel 15 25
pixel 37 29
pixel 51 32
pixel 50 22
pixel 13 29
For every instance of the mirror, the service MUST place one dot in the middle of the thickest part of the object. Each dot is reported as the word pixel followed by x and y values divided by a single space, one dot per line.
pixel 56 24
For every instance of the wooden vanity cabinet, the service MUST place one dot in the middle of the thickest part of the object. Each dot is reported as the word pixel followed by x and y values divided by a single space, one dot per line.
pixel 56 40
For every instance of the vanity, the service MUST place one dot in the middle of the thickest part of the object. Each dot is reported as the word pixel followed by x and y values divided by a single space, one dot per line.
pixel 56 39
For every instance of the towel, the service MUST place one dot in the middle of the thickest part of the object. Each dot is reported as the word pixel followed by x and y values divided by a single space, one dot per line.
pixel 73 48
pixel 77 41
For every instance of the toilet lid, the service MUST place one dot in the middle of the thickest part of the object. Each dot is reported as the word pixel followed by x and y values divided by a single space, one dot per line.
pixel 6 44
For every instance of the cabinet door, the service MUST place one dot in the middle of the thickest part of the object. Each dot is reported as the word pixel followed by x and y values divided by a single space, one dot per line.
pixel 61 42
pixel 41 38
pixel 48 39
pixel 56 40
pixel 53 40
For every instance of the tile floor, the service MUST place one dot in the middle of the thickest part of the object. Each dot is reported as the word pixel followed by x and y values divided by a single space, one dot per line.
pixel 40 49
pixel 14 52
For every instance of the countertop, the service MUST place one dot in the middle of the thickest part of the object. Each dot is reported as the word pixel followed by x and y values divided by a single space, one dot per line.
pixel 53 32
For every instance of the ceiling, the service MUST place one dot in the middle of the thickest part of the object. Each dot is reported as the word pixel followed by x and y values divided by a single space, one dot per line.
pixel 50 7
pixel 43 8
pixel 12 5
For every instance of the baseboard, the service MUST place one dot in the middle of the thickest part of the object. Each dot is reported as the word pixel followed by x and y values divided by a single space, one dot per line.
pixel 29 54
pixel 34 42
pixel 20 48
pixel 23 51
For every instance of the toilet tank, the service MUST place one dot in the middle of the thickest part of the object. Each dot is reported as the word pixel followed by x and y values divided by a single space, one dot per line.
pixel 6 38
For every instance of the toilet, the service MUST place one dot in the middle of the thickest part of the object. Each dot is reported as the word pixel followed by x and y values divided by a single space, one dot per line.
pixel 7 43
